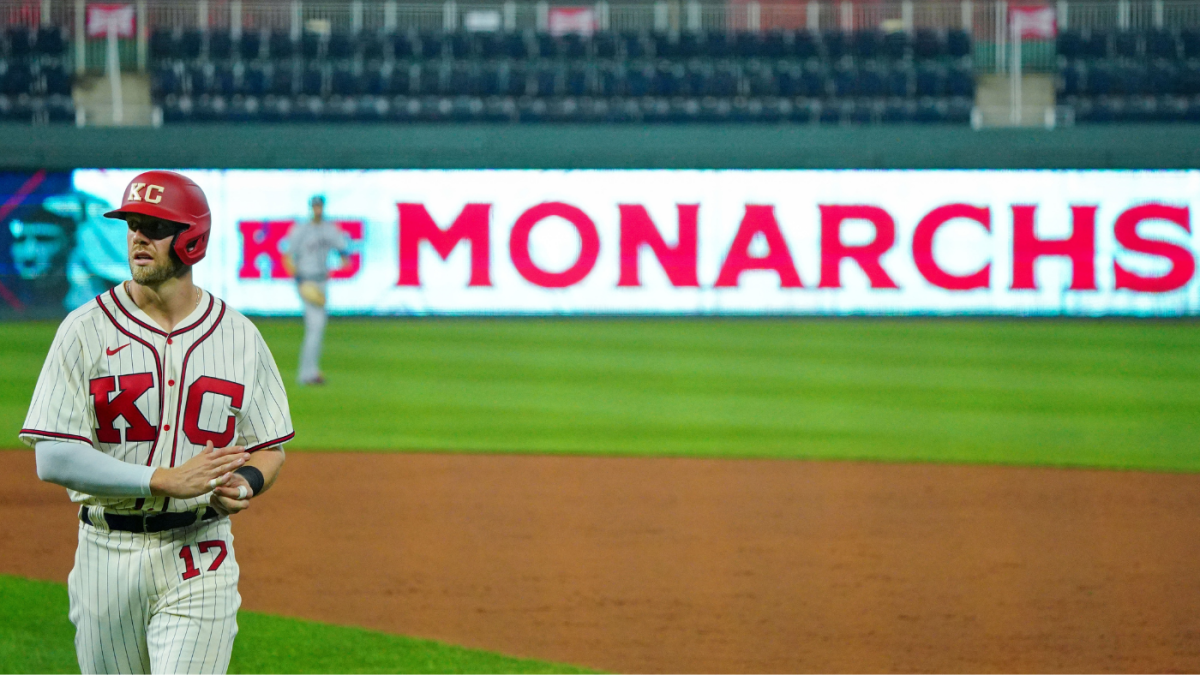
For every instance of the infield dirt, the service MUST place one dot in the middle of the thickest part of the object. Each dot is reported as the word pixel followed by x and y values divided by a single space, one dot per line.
pixel 647 565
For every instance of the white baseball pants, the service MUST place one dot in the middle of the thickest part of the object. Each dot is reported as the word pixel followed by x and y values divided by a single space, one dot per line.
pixel 155 603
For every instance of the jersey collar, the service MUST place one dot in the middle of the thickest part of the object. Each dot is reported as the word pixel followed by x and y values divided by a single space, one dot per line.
pixel 135 314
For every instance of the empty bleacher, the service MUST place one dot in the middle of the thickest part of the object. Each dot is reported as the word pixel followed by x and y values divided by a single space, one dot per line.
pixel 773 76
pixel 35 82
pixel 1130 76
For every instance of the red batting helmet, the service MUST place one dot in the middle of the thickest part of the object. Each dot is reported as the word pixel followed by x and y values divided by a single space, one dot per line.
pixel 174 197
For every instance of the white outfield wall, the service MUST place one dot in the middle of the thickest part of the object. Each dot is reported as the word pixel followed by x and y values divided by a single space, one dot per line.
pixel 713 242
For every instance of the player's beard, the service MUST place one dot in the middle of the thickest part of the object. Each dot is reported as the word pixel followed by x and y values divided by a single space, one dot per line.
pixel 157 273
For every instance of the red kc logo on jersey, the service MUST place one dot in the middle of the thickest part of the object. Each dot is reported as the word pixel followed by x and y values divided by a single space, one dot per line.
pixel 132 387
pixel 191 418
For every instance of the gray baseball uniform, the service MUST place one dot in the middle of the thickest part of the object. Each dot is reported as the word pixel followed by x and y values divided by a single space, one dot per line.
pixel 310 243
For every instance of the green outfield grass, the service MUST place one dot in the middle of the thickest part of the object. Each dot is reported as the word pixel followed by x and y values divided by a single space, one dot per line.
pixel 1106 393
pixel 38 638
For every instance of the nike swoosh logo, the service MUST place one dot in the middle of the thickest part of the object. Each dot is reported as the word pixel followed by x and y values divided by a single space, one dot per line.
pixel 110 352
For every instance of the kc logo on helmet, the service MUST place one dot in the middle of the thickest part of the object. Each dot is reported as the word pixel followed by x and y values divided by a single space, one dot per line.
pixel 150 195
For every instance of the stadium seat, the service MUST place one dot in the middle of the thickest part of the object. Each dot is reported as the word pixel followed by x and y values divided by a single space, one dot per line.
pixel 281 45
pixel 1188 80
pixel 20 42
pixel 958 43
pixel 220 45
pixel 253 81
pixel 930 80
pixel 928 44
pixel 340 46
pixel 250 45
pixel 162 44
pixel 639 80
pixel 868 44
pixel 190 43
pixel 374 48
pixel 283 79
pixel 55 79
pixel 871 81
pixel 222 80
pixel 604 45
pixel 748 45
pixel 775 44
pixel 1069 44
pixel 634 45
pixel 1126 44
pixel 1070 79
pixel 405 46
pixel 896 45
pixel 898 81
pixel 516 81
pixel 310 48
pixel 760 79
pixel 930 111
pixel 51 41
pixel 1094 45
pixel 1161 44
pixel 899 111
pixel 15 79
pixel 845 81
pixel 804 46
pixel 960 81
pixel 345 81
pixel 60 109
pixel 834 44
pixel 1189 41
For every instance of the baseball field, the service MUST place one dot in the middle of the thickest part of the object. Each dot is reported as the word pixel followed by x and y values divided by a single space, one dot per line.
pixel 722 495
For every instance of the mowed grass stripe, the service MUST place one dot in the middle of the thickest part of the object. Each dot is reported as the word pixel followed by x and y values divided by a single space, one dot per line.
pixel 37 637
pixel 1106 393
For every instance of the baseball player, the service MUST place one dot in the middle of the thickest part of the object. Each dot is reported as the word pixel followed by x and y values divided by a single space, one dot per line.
pixel 161 411
pixel 306 257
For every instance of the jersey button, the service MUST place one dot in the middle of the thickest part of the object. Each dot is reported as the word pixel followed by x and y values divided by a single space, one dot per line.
pixel 169 341
pixel 170 383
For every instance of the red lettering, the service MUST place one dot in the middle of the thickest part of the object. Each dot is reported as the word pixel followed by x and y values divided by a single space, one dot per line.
pixel 923 247
pixel 195 399
pixel 190 571
pixel 124 404
pixel 758 220
pixel 1183 265
pixel 222 551
pixel 353 262
pixel 1080 247
pixel 833 251
pixel 259 238
pixel 678 261
pixel 518 245
pixel 416 225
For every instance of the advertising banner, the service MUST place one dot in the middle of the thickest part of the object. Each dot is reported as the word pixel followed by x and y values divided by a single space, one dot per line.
pixel 705 242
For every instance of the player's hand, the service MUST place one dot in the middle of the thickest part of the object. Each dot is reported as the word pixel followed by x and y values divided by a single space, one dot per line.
pixel 210 469
pixel 233 488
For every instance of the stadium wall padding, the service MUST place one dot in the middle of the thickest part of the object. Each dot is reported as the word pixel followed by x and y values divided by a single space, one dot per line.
pixel 598 147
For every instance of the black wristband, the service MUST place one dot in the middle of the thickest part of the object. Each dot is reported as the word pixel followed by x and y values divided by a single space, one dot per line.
pixel 253 476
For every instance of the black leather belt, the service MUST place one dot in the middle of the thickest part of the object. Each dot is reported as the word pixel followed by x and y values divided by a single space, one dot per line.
pixel 151 522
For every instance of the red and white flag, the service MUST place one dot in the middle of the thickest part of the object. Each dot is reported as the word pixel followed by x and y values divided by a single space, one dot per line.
pixel 1036 22
pixel 120 17
pixel 563 20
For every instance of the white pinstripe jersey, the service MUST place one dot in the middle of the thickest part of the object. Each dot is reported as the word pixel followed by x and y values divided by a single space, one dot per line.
pixel 114 380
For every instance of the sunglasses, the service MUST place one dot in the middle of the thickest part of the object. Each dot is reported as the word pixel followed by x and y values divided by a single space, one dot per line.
pixel 155 228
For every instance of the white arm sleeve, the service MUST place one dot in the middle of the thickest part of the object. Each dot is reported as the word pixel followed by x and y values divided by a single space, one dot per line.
pixel 81 468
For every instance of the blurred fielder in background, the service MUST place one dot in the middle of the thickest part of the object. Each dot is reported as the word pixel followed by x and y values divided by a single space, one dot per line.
pixel 306 251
